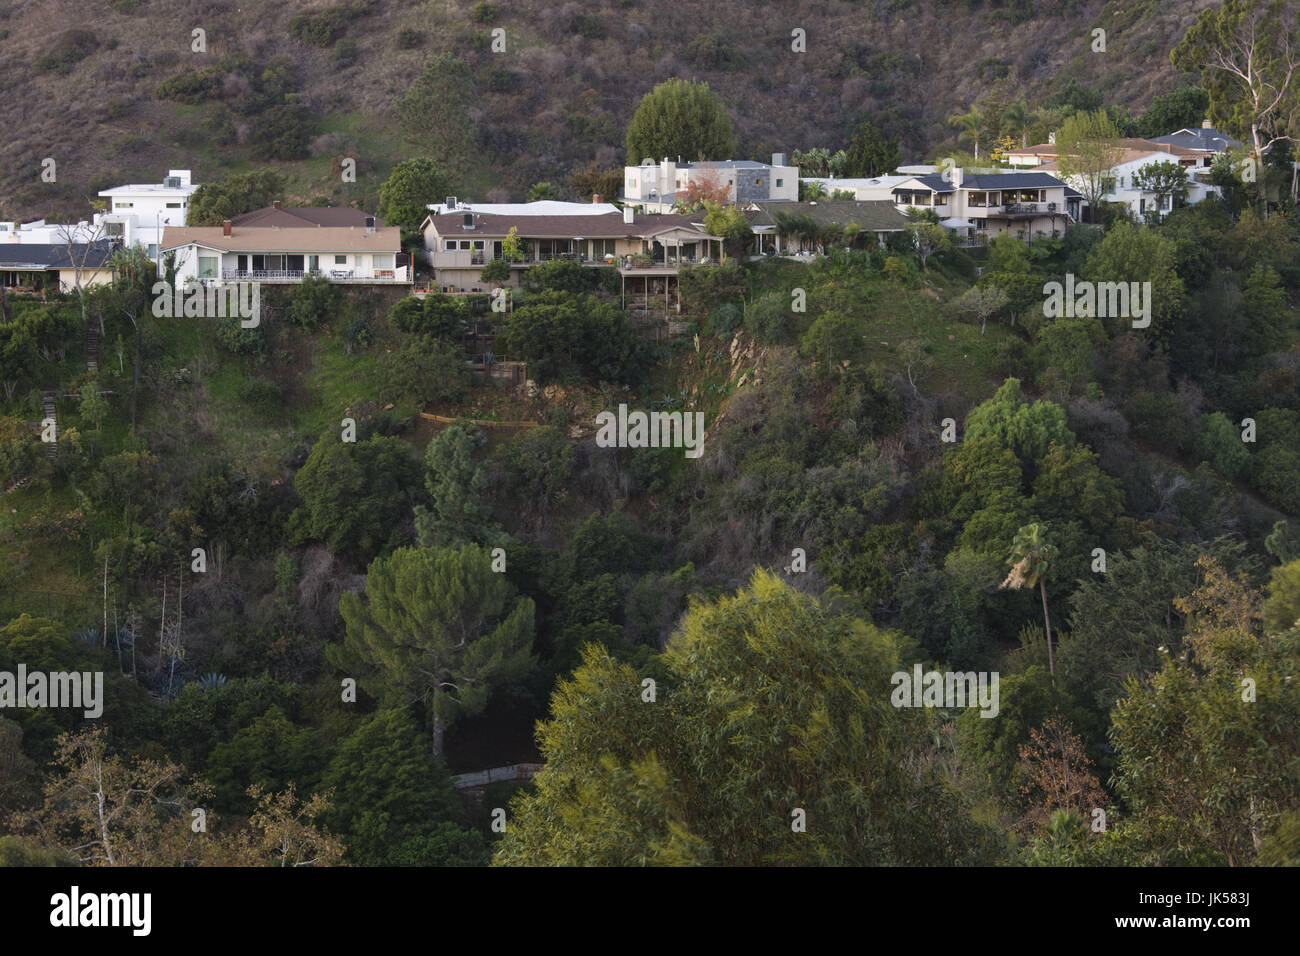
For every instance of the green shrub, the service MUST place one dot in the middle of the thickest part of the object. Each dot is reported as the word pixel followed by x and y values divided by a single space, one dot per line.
pixel 314 302
pixel 498 270
pixel 262 394
pixel 484 13
pixel 69 50
pixel 325 27
pixel 345 53
pixel 191 87
pixel 769 319
pixel 559 275
pixel 409 38
pixel 725 318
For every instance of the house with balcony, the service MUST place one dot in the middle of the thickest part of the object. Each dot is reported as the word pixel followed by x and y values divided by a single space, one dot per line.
pixel 773 235
pixel 979 207
pixel 657 187
pixel 1122 182
pixel 460 243
pixel 350 255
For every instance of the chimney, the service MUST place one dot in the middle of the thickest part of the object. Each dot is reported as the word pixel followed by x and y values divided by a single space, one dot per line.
pixel 627 215
pixel 225 227
pixel 276 204
pixel 370 223
pixel 450 204
pixel 778 159
pixel 1051 138
pixel 956 177
pixel 596 199
pixel 1205 124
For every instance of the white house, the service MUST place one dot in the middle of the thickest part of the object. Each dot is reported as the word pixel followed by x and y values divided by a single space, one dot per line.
pixel 365 255
pixel 1121 183
pixel 136 216
pixel 138 213
pixel 985 205
pixel 656 187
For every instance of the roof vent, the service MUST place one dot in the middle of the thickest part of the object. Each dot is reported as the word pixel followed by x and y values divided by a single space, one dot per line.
pixel 451 203
pixel 469 220
pixel 172 182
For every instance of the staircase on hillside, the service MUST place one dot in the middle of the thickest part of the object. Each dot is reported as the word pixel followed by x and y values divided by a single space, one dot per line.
pixel 50 415
pixel 92 346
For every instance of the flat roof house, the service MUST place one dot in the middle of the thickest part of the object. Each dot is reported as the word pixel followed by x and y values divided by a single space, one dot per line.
pixel 656 187
pixel 138 213
pixel 354 255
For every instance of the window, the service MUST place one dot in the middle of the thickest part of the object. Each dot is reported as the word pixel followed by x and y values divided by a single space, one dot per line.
pixel 113 229
pixel 153 250
pixel 340 260
pixel 118 204
pixel 780 183
pixel 631 182
pixel 449 245
pixel 207 267
pixel 385 261
pixel 758 180
pixel 173 205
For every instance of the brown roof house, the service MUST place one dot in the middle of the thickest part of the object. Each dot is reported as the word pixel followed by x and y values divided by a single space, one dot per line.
pixel 365 254
pixel 460 243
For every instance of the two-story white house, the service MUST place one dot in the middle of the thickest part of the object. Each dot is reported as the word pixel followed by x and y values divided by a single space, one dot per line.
pixel 354 255
pixel 657 187
pixel 1122 181
pixel 981 206
pixel 138 213
pixel 136 216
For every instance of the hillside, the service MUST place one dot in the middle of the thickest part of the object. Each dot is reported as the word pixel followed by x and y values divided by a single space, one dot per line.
pixel 83 87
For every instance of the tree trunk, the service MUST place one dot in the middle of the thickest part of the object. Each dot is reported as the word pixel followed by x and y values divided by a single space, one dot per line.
pixel 438 731
pixel 135 373
pixel 1047 623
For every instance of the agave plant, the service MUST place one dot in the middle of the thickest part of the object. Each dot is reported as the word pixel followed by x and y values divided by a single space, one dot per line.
pixel 91 636
pixel 211 681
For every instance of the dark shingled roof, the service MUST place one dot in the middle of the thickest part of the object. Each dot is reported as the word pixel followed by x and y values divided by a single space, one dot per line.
pixel 43 255
pixel 873 215
pixel 600 226
pixel 936 182
pixel 295 217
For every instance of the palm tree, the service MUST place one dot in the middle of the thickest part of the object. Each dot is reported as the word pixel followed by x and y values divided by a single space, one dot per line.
pixel 1016 116
pixel 1031 556
pixel 972 126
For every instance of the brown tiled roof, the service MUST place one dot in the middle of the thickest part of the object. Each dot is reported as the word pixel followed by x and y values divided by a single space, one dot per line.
pixel 275 239
pixel 289 217
pixel 602 226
